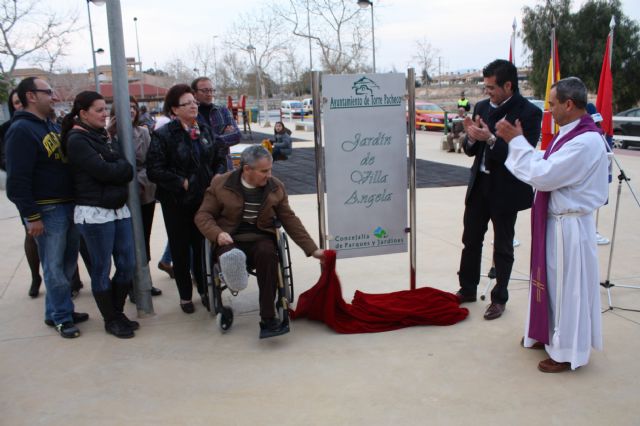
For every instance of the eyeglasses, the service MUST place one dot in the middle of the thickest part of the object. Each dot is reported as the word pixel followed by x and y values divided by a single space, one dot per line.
pixel 47 91
pixel 196 103
pixel 207 91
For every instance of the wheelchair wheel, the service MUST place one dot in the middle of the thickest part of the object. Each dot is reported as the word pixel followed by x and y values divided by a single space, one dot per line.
pixel 285 266
pixel 224 319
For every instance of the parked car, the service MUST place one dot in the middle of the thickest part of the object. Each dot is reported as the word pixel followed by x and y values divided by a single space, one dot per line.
pixel 307 105
pixel 626 128
pixel 430 116
pixel 538 102
pixel 293 108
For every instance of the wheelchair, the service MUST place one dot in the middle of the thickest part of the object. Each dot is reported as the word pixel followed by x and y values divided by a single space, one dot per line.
pixel 215 285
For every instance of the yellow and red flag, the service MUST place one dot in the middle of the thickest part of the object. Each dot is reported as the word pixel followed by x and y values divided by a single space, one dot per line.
pixel 549 128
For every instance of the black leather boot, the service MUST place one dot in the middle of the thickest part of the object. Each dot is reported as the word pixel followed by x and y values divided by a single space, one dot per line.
pixel 113 324
pixel 120 292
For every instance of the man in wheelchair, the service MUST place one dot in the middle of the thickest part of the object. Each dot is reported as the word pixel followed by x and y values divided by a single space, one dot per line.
pixel 237 216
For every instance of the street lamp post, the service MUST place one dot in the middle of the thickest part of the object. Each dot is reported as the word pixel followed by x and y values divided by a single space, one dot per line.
pixel 252 49
pixel 93 49
pixel 309 38
pixel 364 4
pixel 252 57
pixel 215 63
pixel 135 22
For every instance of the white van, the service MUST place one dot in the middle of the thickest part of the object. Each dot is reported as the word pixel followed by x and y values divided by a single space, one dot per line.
pixel 307 105
pixel 291 108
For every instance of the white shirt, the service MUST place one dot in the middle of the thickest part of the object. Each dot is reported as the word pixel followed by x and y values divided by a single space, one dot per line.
pixel 95 215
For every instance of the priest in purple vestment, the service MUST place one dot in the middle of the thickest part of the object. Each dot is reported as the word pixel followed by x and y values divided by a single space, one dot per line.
pixel 570 179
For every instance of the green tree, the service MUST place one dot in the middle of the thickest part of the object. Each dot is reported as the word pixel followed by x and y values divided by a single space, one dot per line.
pixel 581 43
pixel 537 23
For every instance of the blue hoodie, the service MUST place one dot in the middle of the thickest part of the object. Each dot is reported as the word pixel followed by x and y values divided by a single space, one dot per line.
pixel 37 171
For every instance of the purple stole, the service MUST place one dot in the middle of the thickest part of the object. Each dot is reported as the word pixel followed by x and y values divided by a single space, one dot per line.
pixel 539 298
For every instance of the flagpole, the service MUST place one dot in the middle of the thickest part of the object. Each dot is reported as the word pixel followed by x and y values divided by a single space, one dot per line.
pixel 513 41
pixel 553 69
pixel 612 26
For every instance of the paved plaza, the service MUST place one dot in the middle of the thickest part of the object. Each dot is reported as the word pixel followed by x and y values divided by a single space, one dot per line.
pixel 180 370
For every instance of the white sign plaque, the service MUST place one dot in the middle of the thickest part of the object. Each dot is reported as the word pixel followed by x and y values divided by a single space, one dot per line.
pixel 365 134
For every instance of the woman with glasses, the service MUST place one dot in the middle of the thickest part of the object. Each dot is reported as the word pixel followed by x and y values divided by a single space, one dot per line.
pixel 147 189
pixel 181 160
pixel 101 175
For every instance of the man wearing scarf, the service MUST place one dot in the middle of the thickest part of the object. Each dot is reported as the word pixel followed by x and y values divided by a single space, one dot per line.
pixel 493 192
pixel 570 179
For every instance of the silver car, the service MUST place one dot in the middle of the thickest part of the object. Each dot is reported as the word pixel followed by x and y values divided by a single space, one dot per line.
pixel 626 128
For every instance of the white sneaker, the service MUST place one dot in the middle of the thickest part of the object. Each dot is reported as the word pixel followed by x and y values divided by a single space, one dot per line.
pixel 516 242
pixel 602 241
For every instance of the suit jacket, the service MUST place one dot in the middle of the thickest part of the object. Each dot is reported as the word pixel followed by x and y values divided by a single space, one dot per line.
pixel 507 192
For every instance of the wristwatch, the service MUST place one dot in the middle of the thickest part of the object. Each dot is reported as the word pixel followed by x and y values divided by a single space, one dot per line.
pixel 491 140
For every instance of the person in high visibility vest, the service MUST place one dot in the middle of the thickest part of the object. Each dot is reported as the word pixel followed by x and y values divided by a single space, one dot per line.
pixel 464 102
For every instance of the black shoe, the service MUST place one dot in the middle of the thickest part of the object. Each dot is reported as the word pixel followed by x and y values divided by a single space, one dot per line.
pixel 68 330
pixel 34 290
pixel 76 317
pixel 75 288
pixel 133 325
pixel 118 328
pixel 166 267
pixel 188 308
pixel 154 292
pixel 462 298
pixel 492 273
pixel 272 328
pixel 205 301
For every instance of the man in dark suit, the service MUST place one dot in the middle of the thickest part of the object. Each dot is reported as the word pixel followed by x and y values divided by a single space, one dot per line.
pixel 493 192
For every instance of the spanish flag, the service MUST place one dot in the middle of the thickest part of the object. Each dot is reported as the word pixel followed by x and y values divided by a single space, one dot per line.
pixel 549 128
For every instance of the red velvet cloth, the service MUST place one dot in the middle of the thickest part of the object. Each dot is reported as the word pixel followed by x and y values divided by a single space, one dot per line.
pixel 371 313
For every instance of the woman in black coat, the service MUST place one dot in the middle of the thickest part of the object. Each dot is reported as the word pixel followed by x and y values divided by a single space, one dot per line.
pixel 180 161
pixel 101 175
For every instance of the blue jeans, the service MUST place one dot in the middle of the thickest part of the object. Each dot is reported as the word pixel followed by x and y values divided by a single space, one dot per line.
pixel 166 256
pixel 108 239
pixel 58 251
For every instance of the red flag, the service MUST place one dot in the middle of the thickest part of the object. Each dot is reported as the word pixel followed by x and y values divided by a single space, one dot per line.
pixel 605 91
pixel 549 128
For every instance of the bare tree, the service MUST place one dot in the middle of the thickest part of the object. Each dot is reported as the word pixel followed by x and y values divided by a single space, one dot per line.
pixel 232 73
pixel 202 55
pixel 26 29
pixel 295 72
pixel 262 36
pixel 336 27
pixel 178 71
pixel 68 84
pixel 426 58
pixel 51 55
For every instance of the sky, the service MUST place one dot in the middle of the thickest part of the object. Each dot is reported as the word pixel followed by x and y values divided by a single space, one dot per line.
pixel 468 34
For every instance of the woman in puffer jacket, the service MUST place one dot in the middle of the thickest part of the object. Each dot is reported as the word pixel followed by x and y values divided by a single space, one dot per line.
pixel 101 175
pixel 181 161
